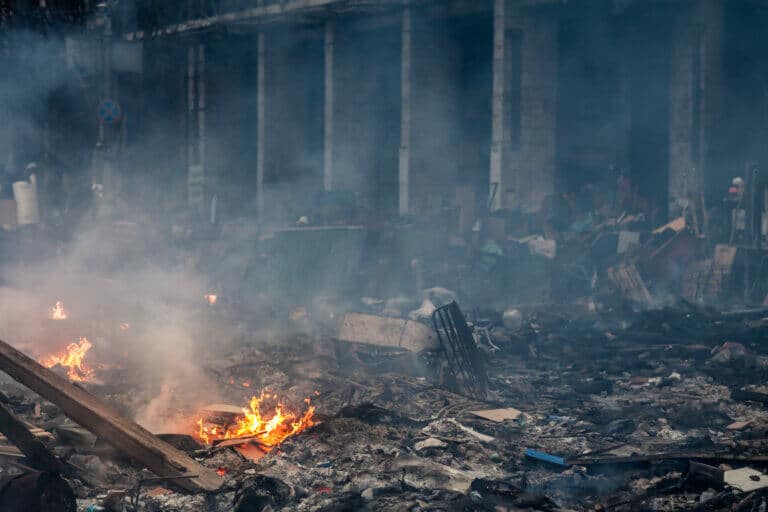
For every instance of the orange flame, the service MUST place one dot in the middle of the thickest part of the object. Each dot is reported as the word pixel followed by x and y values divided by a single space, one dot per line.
pixel 72 360
pixel 58 312
pixel 211 298
pixel 267 431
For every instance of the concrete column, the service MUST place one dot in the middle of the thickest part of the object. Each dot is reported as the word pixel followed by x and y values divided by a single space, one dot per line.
pixel 191 61
pixel 195 126
pixel 530 171
pixel 201 105
pixel 695 87
pixel 260 104
pixel 195 171
pixel 405 114
pixel 497 121
pixel 330 41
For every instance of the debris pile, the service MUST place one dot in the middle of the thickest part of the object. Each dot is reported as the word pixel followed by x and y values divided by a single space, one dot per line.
pixel 659 410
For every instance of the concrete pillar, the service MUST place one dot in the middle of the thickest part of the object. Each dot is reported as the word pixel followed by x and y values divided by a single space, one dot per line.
pixel 497 121
pixel 195 125
pixel 191 86
pixel 260 116
pixel 405 115
pixel 329 104
pixel 695 88
pixel 201 105
pixel 529 171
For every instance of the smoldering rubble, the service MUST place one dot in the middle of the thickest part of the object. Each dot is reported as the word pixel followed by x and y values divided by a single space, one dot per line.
pixel 609 400
pixel 347 255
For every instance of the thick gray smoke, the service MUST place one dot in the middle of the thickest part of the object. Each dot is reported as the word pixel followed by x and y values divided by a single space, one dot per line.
pixel 141 308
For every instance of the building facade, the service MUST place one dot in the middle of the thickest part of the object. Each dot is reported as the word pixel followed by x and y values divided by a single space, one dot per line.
pixel 400 102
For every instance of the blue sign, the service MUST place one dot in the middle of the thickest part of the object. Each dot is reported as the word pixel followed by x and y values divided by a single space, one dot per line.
pixel 109 111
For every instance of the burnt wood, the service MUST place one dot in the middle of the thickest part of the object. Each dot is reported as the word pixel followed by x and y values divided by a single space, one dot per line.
pixel 105 422
pixel 17 433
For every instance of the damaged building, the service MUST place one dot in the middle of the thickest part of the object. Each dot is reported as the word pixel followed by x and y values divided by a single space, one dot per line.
pixel 383 255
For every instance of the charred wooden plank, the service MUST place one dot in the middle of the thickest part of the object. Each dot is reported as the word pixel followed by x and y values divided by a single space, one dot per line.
pixel 17 433
pixel 122 433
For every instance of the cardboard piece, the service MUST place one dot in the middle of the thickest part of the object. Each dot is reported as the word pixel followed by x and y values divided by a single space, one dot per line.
pixel 386 332
pixel 675 225
pixel 499 415
pixel 745 479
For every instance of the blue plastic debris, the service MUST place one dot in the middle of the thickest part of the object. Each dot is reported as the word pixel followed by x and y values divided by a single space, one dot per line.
pixel 552 459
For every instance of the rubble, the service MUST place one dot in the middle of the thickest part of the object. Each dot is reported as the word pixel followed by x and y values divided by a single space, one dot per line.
pixel 582 440
pixel 485 277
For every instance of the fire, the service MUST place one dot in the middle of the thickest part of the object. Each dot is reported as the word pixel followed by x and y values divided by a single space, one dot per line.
pixel 58 312
pixel 268 431
pixel 72 360
pixel 211 298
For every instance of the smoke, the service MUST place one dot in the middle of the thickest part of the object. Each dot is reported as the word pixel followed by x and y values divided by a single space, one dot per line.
pixel 137 298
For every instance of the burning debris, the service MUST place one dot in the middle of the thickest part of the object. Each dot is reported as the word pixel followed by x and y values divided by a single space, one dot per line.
pixel 269 429
pixel 73 360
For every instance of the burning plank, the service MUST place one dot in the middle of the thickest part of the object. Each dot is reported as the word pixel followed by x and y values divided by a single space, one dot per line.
pixel 123 434
pixel 252 423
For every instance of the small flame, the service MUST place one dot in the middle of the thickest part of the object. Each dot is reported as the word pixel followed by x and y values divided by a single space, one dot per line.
pixel 58 312
pixel 211 298
pixel 72 360
pixel 267 431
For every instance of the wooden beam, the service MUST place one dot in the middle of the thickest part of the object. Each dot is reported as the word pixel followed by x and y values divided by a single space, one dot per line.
pixel 105 422
pixel 33 449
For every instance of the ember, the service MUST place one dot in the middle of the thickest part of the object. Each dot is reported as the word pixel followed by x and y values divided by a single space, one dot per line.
pixel 58 312
pixel 211 298
pixel 73 360
pixel 266 431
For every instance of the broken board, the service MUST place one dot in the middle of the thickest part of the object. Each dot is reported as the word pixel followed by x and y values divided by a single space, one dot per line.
pixel 386 332
pixel 498 415
pixel 125 435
